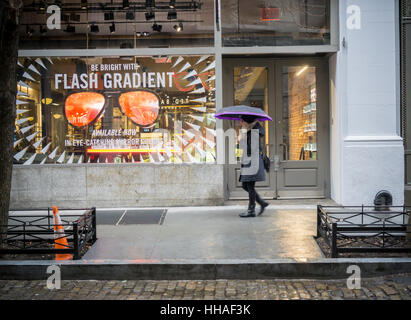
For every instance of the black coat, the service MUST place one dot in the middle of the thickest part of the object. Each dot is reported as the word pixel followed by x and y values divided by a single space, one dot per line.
pixel 260 175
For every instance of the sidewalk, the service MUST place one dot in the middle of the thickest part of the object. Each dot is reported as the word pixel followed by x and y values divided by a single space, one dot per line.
pixel 210 233
pixel 206 243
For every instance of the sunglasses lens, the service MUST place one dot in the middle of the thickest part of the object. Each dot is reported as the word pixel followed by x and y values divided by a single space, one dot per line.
pixel 141 107
pixel 83 108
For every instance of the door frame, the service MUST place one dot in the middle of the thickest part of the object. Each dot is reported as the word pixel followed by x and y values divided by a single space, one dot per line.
pixel 274 101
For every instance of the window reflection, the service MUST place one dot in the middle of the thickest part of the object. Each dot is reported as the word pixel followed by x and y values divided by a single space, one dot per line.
pixel 275 22
pixel 115 24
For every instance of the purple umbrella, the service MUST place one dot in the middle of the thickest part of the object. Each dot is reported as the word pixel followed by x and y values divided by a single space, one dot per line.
pixel 235 113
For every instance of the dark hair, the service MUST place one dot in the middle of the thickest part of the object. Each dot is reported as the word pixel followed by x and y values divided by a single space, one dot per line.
pixel 248 118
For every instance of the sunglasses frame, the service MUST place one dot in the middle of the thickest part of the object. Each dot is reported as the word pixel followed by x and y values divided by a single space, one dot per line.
pixel 104 94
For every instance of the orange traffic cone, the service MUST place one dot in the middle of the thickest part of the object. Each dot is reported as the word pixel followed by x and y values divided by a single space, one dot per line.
pixel 60 240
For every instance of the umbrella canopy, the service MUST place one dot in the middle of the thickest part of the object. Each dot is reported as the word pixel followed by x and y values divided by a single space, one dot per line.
pixel 235 113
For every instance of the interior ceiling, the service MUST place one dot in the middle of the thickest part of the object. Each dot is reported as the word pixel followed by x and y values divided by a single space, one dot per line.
pixel 196 16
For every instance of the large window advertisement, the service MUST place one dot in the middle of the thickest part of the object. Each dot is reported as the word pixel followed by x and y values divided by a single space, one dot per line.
pixel 115 110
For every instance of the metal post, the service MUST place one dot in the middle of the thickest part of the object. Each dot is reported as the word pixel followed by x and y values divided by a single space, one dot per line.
pixel 334 251
pixel 318 221
pixel 94 222
pixel 76 255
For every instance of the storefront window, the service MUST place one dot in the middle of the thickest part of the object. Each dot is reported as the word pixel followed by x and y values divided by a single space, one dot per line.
pixel 275 22
pixel 299 113
pixel 116 24
pixel 115 109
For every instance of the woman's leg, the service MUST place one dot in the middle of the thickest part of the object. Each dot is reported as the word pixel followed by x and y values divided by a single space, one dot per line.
pixel 249 187
pixel 251 195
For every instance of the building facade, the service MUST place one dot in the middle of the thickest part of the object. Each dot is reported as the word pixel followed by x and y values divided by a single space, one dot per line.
pixel 115 104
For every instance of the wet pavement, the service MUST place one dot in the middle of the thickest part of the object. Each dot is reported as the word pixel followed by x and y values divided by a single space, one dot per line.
pixel 208 233
pixel 383 288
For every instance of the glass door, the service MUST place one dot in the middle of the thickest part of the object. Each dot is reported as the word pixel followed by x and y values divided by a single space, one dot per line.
pixel 302 128
pixel 249 82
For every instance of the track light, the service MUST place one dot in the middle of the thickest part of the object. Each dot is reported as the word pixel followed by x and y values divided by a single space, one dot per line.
pixel 179 27
pixel 126 4
pixel 94 28
pixel 172 4
pixel 150 3
pixel 83 4
pixel 42 5
pixel 129 15
pixel 112 28
pixel 172 15
pixel 109 15
pixel 157 27
pixel 29 31
pixel 150 15
pixel 43 30
pixel 70 29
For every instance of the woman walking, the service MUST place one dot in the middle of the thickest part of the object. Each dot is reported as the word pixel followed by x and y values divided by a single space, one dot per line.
pixel 248 180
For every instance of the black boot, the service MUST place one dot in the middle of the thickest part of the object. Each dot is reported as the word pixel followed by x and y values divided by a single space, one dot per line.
pixel 248 214
pixel 262 203
pixel 250 211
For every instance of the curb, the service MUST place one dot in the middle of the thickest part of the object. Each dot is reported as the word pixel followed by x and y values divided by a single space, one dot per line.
pixel 202 269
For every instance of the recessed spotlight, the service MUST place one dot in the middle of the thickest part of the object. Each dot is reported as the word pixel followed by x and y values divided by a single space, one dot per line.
pixel 43 30
pixel 94 28
pixel 112 28
pixel 29 31
pixel 150 15
pixel 179 27
pixel 70 29
pixel 109 15
pixel 157 27
pixel 129 15
pixel 172 15
pixel 126 4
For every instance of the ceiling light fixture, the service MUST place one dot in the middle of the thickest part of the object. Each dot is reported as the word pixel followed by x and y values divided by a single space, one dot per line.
pixel 29 31
pixel 70 29
pixel 109 15
pixel 43 30
pixel 172 4
pixel 157 27
pixel 42 5
pixel 112 28
pixel 84 4
pixel 94 28
pixel 150 3
pixel 129 15
pixel 126 4
pixel 172 15
pixel 179 27
pixel 150 15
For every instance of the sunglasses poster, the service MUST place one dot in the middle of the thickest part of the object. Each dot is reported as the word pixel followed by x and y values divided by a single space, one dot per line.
pixel 115 110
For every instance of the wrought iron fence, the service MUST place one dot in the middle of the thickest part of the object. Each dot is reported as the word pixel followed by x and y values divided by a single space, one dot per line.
pixel 363 229
pixel 32 232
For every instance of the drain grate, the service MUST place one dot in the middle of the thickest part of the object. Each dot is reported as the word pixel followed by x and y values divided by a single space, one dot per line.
pixel 129 217
pixel 108 217
pixel 153 216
